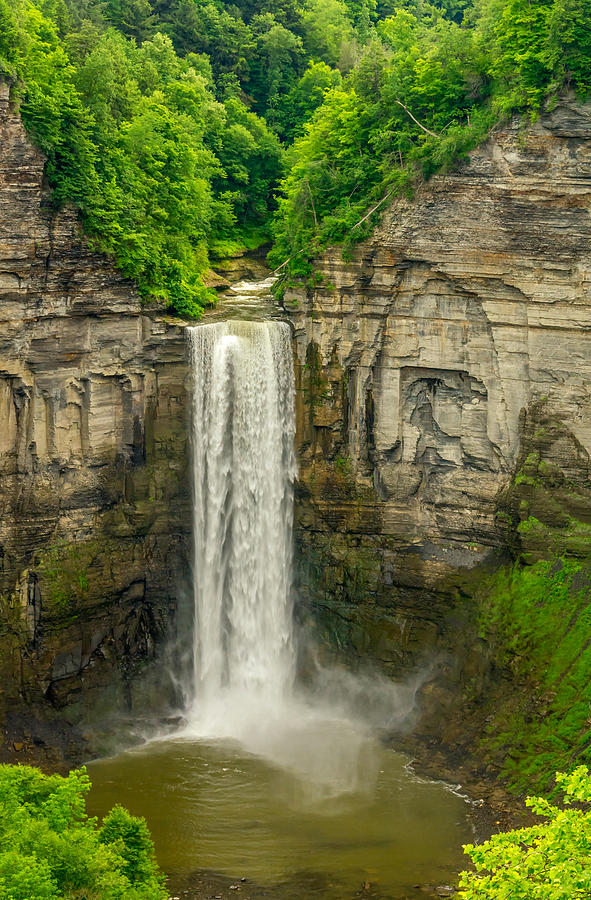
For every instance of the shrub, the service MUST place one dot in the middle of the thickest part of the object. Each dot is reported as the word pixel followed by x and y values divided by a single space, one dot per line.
pixel 549 861
pixel 51 850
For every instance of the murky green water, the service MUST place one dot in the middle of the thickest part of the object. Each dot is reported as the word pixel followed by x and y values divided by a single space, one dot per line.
pixel 213 806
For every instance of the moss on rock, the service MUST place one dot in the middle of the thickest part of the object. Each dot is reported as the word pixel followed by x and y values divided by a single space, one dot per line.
pixel 536 621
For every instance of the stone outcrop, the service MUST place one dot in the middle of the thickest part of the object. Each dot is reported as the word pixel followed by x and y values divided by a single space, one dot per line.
pixel 445 389
pixel 94 488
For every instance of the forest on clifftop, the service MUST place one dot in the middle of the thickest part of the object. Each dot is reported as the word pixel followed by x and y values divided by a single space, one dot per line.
pixel 196 128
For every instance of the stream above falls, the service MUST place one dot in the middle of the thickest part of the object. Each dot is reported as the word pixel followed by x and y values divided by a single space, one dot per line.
pixel 246 300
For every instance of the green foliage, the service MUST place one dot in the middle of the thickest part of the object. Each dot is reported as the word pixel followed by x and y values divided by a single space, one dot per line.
pixel 135 137
pixel 428 84
pixel 51 850
pixel 306 96
pixel 568 49
pixel 274 68
pixel 519 37
pixel 537 619
pixel 9 40
pixel 327 27
pixel 333 169
pixel 64 573
pixel 548 861
pixel 162 121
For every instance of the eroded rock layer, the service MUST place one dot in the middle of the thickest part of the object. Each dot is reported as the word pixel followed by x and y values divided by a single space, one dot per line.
pixel 445 388
pixel 94 485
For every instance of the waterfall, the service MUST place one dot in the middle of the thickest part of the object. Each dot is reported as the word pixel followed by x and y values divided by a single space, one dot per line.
pixel 243 471
pixel 243 686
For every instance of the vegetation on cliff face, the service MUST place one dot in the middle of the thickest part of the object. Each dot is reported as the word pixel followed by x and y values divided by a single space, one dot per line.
pixel 536 622
pixel 51 850
pixel 167 123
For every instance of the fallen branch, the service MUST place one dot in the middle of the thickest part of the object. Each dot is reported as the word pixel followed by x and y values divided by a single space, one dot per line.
pixel 372 211
pixel 426 130
pixel 289 259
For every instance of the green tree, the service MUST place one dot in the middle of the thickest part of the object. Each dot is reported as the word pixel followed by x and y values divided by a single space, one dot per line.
pixel 10 40
pixel 518 60
pixel 52 108
pixel 51 850
pixel 276 65
pixel 305 97
pixel 201 26
pixel 333 171
pixel 568 49
pixel 548 861
pixel 134 18
pixel 251 160
pixel 326 27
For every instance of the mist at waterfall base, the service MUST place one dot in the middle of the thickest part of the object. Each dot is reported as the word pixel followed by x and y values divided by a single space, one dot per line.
pixel 244 664
pixel 283 783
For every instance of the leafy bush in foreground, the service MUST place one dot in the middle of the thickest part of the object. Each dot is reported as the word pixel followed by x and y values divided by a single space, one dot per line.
pixel 51 850
pixel 550 861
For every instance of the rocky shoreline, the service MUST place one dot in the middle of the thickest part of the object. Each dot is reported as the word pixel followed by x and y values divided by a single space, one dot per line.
pixel 311 886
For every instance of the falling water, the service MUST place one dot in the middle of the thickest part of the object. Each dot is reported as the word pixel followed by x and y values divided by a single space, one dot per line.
pixel 244 466
pixel 243 471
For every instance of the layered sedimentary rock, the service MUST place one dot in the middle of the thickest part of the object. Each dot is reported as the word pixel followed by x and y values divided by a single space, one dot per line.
pixel 445 388
pixel 94 486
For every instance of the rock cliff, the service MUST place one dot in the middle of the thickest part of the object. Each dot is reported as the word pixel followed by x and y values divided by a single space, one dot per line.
pixel 444 423
pixel 445 390
pixel 94 485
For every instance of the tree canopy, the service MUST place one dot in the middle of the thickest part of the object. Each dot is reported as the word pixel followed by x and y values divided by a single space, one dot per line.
pixel 181 128
pixel 51 850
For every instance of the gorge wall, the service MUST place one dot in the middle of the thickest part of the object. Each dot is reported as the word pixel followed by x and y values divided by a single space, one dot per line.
pixel 94 481
pixel 444 425
pixel 444 393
